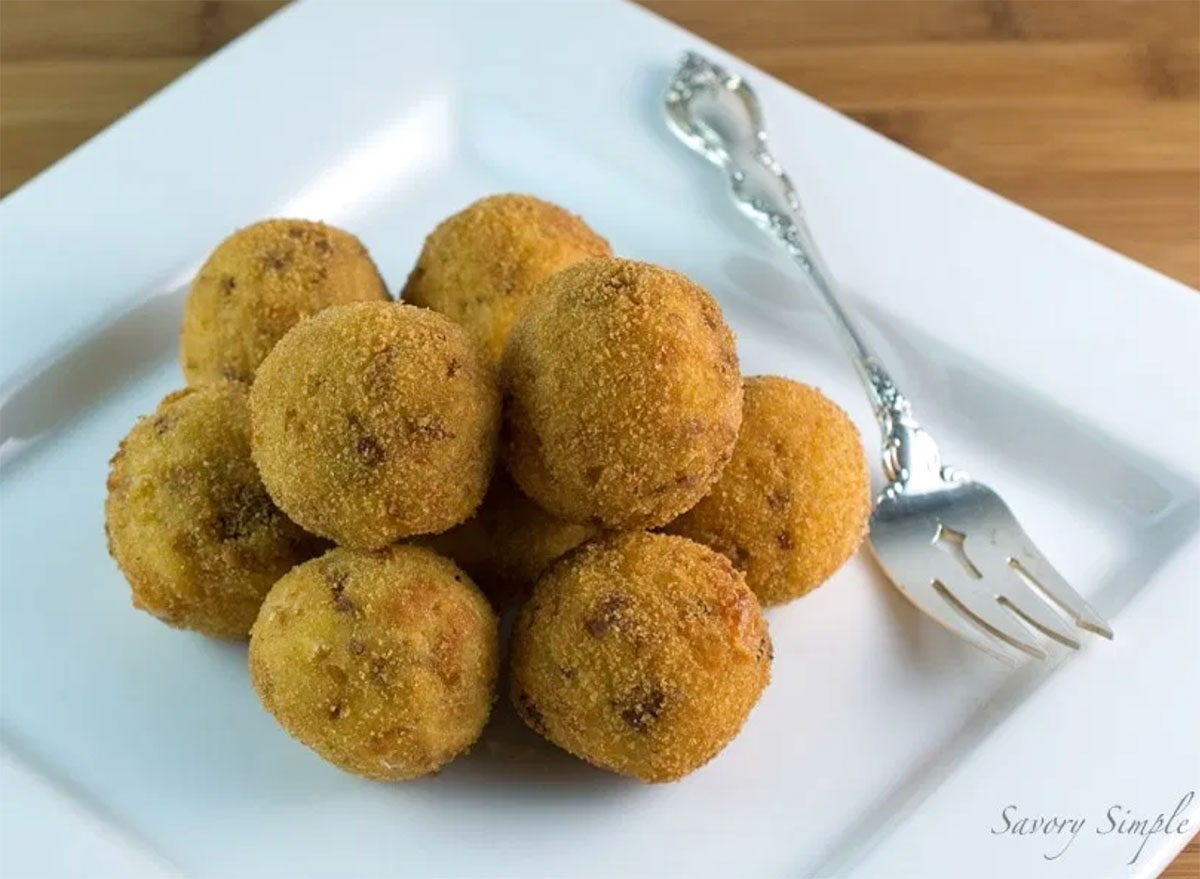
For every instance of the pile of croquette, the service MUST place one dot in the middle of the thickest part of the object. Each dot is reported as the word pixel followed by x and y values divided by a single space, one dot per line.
pixel 364 486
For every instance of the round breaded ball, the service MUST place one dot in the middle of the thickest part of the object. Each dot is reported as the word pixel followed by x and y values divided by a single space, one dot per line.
pixel 509 542
pixel 482 265
pixel 383 662
pixel 375 421
pixel 640 653
pixel 258 283
pixel 622 394
pixel 188 519
pixel 794 502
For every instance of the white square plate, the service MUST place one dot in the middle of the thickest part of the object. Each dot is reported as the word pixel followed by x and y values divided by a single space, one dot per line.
pixel 1057 371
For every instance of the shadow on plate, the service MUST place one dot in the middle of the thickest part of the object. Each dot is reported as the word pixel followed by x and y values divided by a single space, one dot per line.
pixel 254 754
pixel 512 759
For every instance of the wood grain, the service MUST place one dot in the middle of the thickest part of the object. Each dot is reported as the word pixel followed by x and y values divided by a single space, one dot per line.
pixel 1087 111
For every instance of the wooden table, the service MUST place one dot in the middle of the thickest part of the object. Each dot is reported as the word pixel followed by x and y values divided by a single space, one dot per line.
pixel 1083 110
pixel 1087 111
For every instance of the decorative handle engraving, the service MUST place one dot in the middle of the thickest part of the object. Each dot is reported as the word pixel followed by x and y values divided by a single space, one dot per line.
pixel 718 116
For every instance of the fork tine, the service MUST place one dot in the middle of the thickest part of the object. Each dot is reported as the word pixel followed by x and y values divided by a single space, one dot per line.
pixel 945 614
pixel 1050 581
pixel 967 594
pixel 1013 590
pixel 925 597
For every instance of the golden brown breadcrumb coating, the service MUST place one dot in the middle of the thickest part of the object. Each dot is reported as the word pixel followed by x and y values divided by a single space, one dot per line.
pixel 622 394
pixel 188 519
pixel 640 653
pixel 794 502
pixel 258 283
pixel 382 662
pixel 509 542
pixel 481 266
pixel 375 421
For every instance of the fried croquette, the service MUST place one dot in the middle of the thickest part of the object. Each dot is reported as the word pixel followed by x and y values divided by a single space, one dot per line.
pixel 482 265
pixel 188 519
pixel 258 283
pixel 794 502
pixel 509 541
pixel 383 662
pixel 375 421
pixel 640 653
pixel 622 394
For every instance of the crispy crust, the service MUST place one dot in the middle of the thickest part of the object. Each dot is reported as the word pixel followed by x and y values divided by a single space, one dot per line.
pixel 258 284
pixel 640 653
pixel 375 421
pixel 188 519
pixel 481 266
pixel 384 663
pixel 794 502
pixel 622 394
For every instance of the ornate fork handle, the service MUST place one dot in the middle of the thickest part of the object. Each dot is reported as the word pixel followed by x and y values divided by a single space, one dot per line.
pixel 721 119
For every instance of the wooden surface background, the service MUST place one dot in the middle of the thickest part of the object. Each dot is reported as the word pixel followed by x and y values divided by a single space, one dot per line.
pixel 1083 110
pixel 1087 111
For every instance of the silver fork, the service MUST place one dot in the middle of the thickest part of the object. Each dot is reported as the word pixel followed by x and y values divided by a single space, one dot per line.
pixel 947 542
